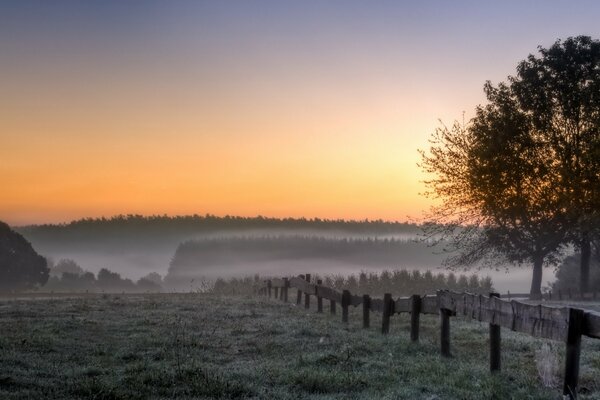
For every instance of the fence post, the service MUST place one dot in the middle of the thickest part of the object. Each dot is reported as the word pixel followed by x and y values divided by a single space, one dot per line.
pixel 345 303
pixel 281 289
pixel 366 310
pixel 573 351
pixel 445 331
pixel 319 298
pixel 495 351
pixel 299 298
pixel 276 292
pixel 286 285
pixel 269 287
pixel 306 294
pixel 332 307
pixel 388 309
pixel 415 312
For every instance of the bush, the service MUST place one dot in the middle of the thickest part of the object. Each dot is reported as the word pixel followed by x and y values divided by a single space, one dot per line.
pixel 21 268
pixel 568 272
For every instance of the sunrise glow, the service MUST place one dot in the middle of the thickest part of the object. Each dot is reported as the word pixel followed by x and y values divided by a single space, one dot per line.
pixel 278 108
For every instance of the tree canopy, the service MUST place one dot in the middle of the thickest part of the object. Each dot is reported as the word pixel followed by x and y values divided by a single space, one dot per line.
pixel 21 268
pixel 521 179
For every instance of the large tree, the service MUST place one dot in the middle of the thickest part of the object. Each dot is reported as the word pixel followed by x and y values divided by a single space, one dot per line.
pixel 21 267
pixel 495 204
pixel 522 178
pixel 560 91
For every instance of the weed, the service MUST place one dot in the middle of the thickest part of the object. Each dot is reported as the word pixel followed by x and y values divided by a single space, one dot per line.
pixel 547 362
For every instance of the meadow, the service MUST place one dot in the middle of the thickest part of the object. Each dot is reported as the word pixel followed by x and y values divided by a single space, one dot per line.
pixel 203 346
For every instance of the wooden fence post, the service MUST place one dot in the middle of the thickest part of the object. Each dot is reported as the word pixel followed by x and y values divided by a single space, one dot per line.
pixel 281 289
pixel 276 292
pixel 388 309
pixel 306 294
pixel 319 298
pixel 445 331
pixel 332 307
pixel 366 310
pixel 415 311
pixel 299 298
pixel 576 318
pixel 286 285
pixel 345 304
pixel 495 349
pixel 269 287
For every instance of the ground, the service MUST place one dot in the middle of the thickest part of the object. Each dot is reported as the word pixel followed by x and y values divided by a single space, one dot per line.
pixel 205 346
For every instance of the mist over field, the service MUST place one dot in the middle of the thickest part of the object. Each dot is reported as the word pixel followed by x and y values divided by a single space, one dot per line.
pixel 187 250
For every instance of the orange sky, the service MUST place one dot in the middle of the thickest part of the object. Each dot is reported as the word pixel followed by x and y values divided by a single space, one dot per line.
pixel 226 109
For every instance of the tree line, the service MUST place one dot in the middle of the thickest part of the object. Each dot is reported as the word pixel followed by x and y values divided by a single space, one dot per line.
pixel 68 276
pixel 399 282
pixel 190 224
pixel 193 258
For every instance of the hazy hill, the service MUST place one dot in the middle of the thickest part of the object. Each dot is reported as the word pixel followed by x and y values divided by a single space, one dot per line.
pixel 287 255
pixel 134 245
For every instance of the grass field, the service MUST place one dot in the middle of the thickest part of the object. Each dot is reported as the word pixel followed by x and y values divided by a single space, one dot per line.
pixel 205 346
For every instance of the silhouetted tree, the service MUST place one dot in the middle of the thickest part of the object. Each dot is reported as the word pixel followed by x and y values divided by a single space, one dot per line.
pixel 568 274
pixel 21 267
pixel 148 285
pixel 66 265
pixel 112 281
pixel 521 178
pixel 559 90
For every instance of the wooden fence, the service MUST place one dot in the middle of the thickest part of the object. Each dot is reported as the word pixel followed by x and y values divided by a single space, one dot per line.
pixel 563 324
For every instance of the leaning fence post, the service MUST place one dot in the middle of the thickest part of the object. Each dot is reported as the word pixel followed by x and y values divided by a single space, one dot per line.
pixel 286 285
pixel 445 331
pixel 269 287
pixel 415 311
pixel 299 298
pixel 319 298
pixel 345 303
pixel 306 294
pixel 573 351
pixel 495 350
pixel 388 306
pixel 366 310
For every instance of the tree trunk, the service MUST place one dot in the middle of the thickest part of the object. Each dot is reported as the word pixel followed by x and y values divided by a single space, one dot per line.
pixel 584 268
pixel 536 281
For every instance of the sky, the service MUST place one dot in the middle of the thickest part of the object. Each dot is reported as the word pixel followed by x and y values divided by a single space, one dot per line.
pixel 275 108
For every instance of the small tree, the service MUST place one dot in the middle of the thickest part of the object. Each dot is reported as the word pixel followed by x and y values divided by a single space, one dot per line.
pixel 66 265
pixel 21 268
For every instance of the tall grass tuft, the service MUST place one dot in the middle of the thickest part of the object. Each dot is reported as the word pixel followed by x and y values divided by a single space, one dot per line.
pixel 546 360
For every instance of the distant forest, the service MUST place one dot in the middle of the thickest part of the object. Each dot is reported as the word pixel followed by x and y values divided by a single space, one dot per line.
pixel 208 257
pixel 146 227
